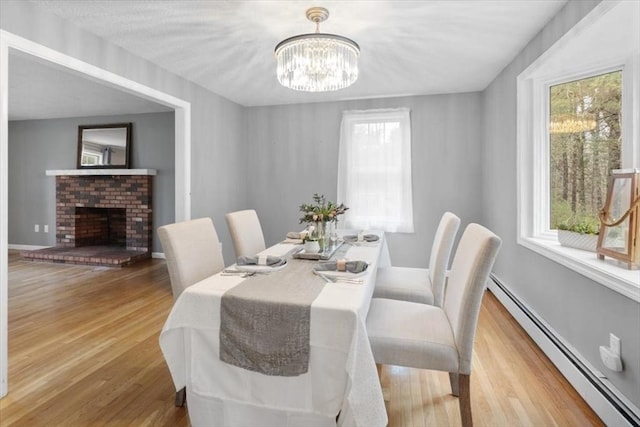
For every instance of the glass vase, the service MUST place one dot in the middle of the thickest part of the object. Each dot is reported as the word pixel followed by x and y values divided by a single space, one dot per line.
pixel 332 233
pixel 323 236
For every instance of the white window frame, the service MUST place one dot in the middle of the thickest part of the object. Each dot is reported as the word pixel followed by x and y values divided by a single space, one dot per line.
pixel 533 147
pixel 353 219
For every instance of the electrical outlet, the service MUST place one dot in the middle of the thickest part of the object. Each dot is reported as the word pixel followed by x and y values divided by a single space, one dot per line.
pixel 614 344
pixel 610 359
pixel 611 355
pixel 46 228
pixel 36 228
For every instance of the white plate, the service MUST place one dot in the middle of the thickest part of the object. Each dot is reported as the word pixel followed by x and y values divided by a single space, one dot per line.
pixel 333 273
pixel 260 268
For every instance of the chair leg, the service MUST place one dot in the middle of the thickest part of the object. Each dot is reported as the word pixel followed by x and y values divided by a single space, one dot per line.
pixel 453 380
pixel 181 397
pixel 464 400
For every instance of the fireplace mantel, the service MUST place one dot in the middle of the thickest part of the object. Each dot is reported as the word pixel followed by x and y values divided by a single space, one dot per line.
pixel 88 172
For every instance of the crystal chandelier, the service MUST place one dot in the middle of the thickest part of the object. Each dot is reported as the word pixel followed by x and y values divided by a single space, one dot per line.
pixel 317 62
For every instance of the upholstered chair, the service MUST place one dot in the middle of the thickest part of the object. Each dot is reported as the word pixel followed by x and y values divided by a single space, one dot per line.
pixel 423 285
pixel 193 252
pixel 439 338
pixel 246 232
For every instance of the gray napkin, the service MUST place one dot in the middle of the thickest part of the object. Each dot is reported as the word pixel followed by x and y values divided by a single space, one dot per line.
pixel 366 237
pixel 351 266
pixel 272 261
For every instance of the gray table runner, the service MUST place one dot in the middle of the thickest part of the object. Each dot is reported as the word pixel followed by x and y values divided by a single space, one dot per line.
pixel 265 320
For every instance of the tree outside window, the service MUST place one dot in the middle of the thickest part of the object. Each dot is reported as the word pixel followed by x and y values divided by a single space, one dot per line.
pixel 585 144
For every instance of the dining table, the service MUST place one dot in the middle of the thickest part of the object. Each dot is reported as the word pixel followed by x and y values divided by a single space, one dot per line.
pixel 333 382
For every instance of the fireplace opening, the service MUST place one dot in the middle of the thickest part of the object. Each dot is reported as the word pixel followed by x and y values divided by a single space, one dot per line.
pixel 100 227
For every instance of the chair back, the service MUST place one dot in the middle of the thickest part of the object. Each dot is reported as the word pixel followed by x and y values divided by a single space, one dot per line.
pixel 470 270
pixel 246 232
pixel 440 254
pixel 193 252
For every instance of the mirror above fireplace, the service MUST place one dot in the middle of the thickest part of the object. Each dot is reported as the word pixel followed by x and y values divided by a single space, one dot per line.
pixel 104 146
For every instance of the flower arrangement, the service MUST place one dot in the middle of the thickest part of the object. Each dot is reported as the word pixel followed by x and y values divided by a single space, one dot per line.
pixel 321 211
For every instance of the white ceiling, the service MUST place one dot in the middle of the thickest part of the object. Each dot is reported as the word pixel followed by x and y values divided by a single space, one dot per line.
pixel 407 47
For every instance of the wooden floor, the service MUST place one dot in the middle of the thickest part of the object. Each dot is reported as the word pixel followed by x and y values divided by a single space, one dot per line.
pixel 83 351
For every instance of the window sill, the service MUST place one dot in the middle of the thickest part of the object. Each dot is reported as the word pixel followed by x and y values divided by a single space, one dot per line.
pixel 607 272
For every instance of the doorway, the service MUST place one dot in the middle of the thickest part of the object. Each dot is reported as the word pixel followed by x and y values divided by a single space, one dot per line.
pixel 11 43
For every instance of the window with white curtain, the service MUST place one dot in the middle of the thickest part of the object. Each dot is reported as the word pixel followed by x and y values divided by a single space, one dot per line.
pixel 374 170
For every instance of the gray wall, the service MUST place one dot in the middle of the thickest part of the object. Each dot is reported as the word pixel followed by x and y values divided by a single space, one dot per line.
pixel 582 311
pixel 218 167
pixel 38 145
pixel 293 153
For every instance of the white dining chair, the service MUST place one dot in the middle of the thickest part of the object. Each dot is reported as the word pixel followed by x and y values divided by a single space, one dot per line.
pixel 193 252
pixel 423 285
pixel 246 232
pixel 439 338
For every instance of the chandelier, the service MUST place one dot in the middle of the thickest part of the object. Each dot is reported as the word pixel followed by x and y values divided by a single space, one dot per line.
pixel 317 62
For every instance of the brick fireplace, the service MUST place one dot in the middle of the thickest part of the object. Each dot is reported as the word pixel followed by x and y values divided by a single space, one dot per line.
pixel 103 217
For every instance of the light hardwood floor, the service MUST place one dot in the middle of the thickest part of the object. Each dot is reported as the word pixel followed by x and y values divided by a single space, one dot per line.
pixel 83 351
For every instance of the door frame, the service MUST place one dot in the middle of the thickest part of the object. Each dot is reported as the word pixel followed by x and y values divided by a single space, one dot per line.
pixel 182 110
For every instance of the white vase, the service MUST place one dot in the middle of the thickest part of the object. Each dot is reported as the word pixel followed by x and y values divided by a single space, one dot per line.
pixel 312 246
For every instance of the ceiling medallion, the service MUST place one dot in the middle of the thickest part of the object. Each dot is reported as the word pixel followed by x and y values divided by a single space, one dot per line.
pixel 317 62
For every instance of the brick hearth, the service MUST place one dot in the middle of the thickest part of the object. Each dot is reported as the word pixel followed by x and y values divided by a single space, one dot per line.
pixel 107 256
pixel 101 220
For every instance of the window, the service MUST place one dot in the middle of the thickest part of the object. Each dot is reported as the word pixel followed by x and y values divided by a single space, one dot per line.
pixel 374 172
pixel 584 147
pixel 91 158
pixel 578 113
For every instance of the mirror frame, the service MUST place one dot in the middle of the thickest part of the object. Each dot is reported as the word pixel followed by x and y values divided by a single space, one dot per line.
pixel 127 149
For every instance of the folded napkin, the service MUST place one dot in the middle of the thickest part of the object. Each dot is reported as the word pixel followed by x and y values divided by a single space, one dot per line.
pixel 350 266
pixel 292 241
pixel 268 260
pixel 296 234
pixel 366 238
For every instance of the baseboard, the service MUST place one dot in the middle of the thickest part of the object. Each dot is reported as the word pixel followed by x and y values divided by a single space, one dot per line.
pixel 605 400
pixel 159 255
pixel 25 247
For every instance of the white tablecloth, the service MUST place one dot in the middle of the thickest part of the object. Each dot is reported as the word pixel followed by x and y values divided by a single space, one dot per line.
pixel 342 376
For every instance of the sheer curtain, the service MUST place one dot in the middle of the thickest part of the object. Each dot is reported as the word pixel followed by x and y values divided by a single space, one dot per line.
pixel 374 170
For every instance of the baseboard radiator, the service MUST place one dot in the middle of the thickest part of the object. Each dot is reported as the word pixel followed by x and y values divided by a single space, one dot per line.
pixel 626 411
